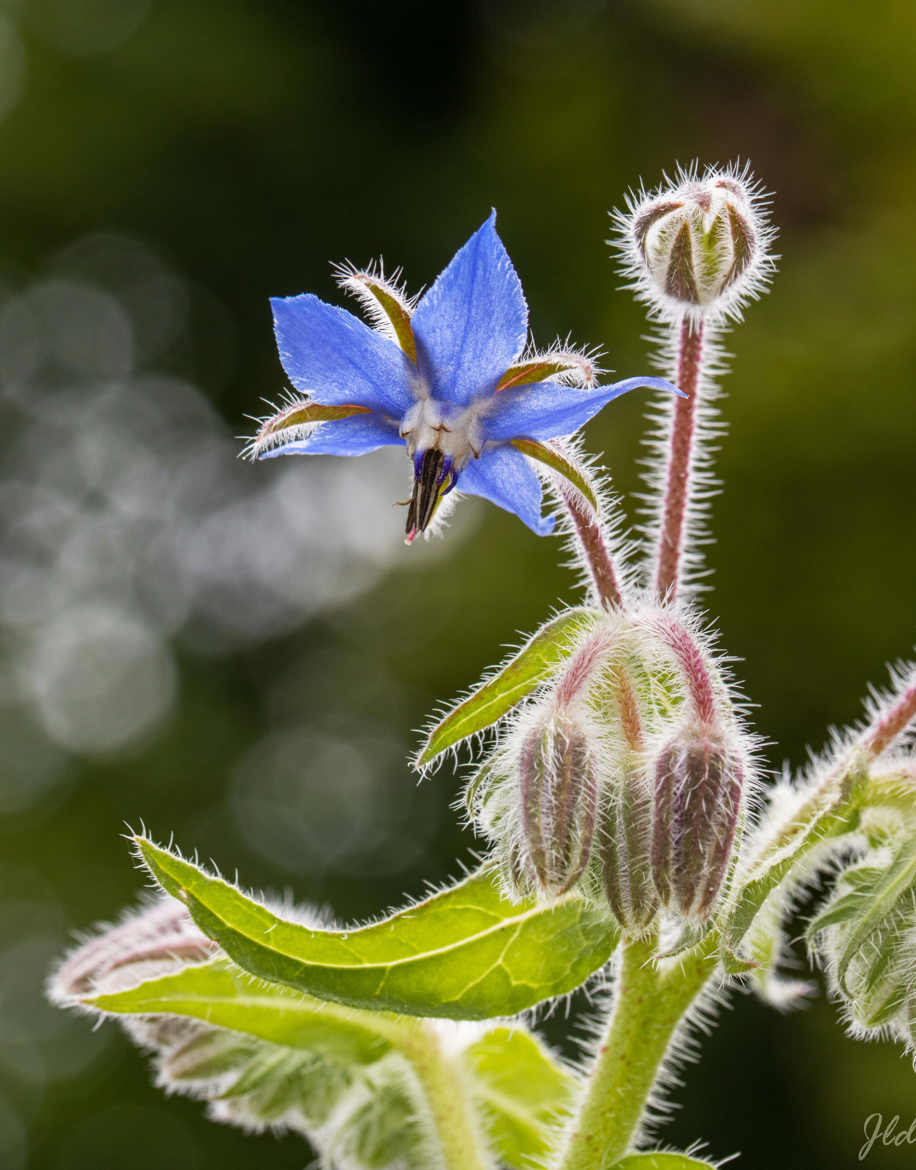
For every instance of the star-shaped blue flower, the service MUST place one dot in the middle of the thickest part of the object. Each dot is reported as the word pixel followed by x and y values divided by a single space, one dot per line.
pixel 441 378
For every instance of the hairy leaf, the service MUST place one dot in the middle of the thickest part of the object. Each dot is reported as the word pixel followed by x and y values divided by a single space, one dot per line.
pixel 522 1091
pixel 220 994
pixel 465 953
pixel 820 820
pixel 661 1161
pixel 512 683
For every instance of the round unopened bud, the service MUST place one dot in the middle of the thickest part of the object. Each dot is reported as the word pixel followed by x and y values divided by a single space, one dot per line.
pixel 559 797
pixel 698 246
pixel 698 790
pixel 627 846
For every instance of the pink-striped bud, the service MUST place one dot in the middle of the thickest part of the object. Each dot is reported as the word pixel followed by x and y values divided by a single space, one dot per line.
pixel 627 847
pixel 700 245
pixel 698 792
pixel 559 800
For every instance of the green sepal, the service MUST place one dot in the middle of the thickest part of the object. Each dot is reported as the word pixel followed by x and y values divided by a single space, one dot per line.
pixel 512 682
pixel 305 413
pixel 559 463
pixel 542 369
pixel 522 1091
pixel 383 303
pixel 465 953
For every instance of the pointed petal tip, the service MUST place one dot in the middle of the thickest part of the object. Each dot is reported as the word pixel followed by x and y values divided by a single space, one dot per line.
pixel 648 383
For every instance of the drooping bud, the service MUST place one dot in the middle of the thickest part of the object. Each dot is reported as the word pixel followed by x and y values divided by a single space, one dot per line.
pixel 627 845
pixel 154 940
pixel 698 795
pixel 558 799
pixel 698 246
pixel 866 935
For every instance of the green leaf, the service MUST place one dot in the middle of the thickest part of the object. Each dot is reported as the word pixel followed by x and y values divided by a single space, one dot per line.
pixel 893 891
pixel 464 953
pixel 513 681
pixel 219 994
pixel 661 1161
pixel 522 1092
pixel 820 819
pixel 559 463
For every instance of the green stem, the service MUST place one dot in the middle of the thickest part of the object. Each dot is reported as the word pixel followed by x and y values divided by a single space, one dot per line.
pixel 446 1093
pixel 648 1006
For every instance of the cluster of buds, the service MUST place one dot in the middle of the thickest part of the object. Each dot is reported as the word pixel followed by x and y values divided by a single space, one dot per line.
pixel 697 246
pixel 625 777
pixel 865 936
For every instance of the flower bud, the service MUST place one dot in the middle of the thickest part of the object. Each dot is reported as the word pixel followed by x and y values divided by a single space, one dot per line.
pixel 700 246
pixel 698 788
pixel 154 940
pixel 626 848
pixel 558 797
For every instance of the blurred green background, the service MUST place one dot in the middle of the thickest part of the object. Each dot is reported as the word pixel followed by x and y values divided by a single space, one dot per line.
pixel 238 654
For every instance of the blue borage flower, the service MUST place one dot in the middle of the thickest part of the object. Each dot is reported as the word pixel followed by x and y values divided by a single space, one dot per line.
pixel 442 377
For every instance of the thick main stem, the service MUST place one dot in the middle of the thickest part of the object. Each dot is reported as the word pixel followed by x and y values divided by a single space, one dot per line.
pixel 676 501
pixel 648 1006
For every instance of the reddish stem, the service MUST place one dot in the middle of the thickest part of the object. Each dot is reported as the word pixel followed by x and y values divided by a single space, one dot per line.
pixel 593 542
pixel 629 712
pixel 680 460
pixel 687 652
pixel 892 722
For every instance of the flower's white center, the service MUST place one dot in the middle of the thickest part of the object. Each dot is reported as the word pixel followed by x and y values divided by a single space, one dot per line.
pixel 431 425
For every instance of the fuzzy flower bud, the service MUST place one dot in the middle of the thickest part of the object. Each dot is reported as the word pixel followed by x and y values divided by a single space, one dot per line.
pixel 698 792
pixel 626 848
pixel 698 246
pixel 558 797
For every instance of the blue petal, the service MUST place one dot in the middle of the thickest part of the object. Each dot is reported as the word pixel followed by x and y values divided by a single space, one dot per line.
pixel 334 358
pixel 547 410
pixel 473 322
pixel 506 478
pixel 345 436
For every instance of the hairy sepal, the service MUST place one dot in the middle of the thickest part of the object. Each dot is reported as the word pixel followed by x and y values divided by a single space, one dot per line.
pixel 384 302
pixel 467 952
pixel 552 458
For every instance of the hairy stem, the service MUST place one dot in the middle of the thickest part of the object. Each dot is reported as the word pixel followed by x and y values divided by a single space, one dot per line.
pixel 697 676
pixel 892 722
pixel 592 538
pixel 648 1006
pixel 671 536
pixel 457 1132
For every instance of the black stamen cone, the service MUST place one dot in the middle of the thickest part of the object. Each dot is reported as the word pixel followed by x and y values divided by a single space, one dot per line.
pixel 427 486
